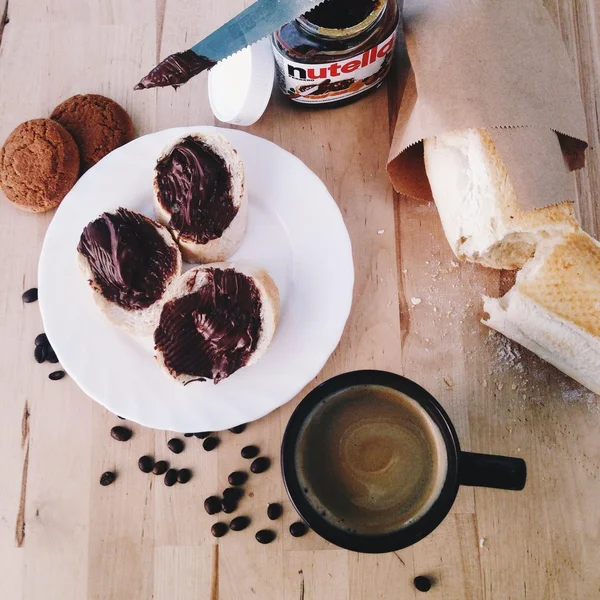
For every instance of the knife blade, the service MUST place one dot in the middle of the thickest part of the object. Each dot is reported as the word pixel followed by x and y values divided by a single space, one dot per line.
pixel 256 22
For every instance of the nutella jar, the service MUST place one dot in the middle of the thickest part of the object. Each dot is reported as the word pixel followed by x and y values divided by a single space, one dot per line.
pixel 338 50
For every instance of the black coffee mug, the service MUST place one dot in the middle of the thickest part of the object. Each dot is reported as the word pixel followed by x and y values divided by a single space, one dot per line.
pixel 463 468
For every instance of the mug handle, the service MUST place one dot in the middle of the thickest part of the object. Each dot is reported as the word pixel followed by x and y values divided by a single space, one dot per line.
pixel 488 470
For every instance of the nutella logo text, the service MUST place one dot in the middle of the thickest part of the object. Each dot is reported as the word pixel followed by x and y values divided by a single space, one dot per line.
pixel 337 69
pixel 309 83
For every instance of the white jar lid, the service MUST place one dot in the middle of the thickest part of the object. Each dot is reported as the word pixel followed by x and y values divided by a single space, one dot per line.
pixel 240 87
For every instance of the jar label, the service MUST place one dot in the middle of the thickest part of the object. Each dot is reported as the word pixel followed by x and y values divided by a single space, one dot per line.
pixel 333 81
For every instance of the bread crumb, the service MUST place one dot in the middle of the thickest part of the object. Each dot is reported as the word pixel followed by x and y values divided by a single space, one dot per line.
pixel 381 232
pixel 415 301
pixel 499 385
pixel 484 383
pixel 513 386
pixel 481 542
pixel 448 380
pixel 405 271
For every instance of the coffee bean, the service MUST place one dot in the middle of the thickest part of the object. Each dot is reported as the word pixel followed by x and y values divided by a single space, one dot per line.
pixel 422 583
pixel 160 468
pixel 188 434
pixel 274 511
pixel 210 443
pixel 56 375
pixel 176 445
pixel 219 529
pixel 250 451
pixel 298 529
pixel 233 493
pixel 239 428
pixel 171 477
pixel 107 478
pixel 237 478
pixel 260 464
pixel 51 358
pixel 201 435
pixel 41 339
pixel 121 434
pixel 228 506
pixel 239 523
pixel 146 464
pixel 265 536
pixel 30 295
pixel 40 353
pixel 212 505
pixel 184 475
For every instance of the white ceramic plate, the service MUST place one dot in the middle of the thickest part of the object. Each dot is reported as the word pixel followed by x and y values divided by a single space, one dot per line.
pixel 295 231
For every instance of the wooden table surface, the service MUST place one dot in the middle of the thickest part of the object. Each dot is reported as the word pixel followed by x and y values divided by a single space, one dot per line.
pixel 63 536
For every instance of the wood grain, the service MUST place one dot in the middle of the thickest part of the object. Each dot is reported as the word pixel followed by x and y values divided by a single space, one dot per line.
pixel 64 536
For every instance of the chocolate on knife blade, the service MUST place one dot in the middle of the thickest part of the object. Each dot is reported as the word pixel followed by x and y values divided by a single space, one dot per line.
pixel 253 24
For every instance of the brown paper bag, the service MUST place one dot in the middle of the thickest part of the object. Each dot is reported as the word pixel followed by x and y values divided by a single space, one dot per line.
pixel 494 64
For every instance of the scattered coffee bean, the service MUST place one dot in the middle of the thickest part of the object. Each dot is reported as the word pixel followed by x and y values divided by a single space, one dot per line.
pixel 30 295
pixel 107 478
pixel 171 477
pixel 298 529
pixel 265 536
pixel 41 339
pixel 210 443
pixel 239 523
pixel 250 451
pixel 237 478
pixel 188 434
pixel 176 445
pixel 212 505
pixel 41 353
pixel 160 468
pixel 422 583
pixel 219 529
pixel 274 511
pixel 228 506
pixel 146 464
pixel 233 493
pixel 56 375
pixel 201 435
pixel 121 434
pixel 239 428
pixel 260 464
pixel 184 475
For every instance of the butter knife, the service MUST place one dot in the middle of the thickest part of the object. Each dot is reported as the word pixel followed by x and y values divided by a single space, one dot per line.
pixel 256 22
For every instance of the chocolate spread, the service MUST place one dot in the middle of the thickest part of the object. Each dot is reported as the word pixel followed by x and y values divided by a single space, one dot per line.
pixel 340 14
pixel 211 333
pixel 130 260
pixel 176 70
pixel 195 187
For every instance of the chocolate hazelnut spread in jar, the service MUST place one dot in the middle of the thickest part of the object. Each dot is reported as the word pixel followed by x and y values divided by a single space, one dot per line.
pixel 338 50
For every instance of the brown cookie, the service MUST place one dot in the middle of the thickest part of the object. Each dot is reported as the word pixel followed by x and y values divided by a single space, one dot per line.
pixel 98 125
pixel 39 164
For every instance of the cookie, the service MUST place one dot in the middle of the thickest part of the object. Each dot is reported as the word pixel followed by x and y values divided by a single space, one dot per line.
pixel 39 164
pixel 98 125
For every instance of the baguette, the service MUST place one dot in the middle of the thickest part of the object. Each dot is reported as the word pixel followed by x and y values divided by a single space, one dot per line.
pixel 216 319
pixel 129 261
pixel 200 195
pixel 477 203
pixel 554 307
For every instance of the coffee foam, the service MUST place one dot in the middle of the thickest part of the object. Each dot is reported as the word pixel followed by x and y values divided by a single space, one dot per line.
pixel 370 460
